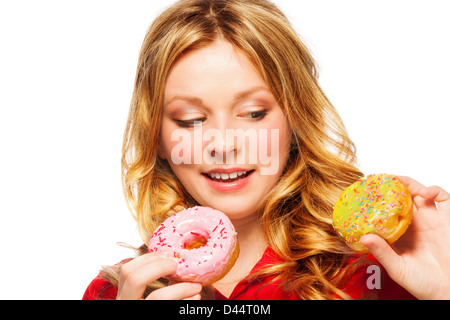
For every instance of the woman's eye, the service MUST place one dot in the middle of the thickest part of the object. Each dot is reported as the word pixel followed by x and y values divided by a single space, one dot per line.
pixel 256 115
pixel 190 123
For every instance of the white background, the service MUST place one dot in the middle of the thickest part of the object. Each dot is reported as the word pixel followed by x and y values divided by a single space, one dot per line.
pixel 66 75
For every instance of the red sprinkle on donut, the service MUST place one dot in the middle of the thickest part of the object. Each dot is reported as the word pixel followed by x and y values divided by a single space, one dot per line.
pixel 193 238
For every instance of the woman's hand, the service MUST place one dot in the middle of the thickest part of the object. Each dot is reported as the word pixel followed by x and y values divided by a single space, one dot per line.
pixel 136 274
pixel 420 260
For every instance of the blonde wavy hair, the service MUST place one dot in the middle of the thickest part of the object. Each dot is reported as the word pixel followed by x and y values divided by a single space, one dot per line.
pixel 296 215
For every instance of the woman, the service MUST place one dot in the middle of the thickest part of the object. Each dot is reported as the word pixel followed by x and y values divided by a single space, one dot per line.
pixel 218 65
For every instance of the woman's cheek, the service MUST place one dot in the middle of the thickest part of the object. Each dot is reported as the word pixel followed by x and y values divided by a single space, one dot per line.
pixel 178 146
pixel 274 147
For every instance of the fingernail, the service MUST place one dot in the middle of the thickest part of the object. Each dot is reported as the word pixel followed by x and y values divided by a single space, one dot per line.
pixel 196 286
pixel 167 255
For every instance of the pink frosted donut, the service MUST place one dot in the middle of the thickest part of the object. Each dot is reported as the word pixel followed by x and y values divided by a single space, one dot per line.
pixel 202 241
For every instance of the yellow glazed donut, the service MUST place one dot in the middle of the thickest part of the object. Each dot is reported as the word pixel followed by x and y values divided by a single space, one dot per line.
pixel 380 204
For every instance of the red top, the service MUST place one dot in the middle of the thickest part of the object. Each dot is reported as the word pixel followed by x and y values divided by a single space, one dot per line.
pixel 101 289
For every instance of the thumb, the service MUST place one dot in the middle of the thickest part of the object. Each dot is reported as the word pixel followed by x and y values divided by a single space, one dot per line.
pixel 384 253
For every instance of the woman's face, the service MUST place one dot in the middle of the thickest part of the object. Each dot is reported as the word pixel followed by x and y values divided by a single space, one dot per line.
pixel 222 131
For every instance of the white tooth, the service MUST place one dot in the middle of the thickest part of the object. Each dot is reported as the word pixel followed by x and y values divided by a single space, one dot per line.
pixel 224 176
pixel 233 175
pixel 212 175
pixel 216 175
pixel 240 173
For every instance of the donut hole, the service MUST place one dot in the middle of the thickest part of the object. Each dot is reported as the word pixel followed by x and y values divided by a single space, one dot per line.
pixel 194 240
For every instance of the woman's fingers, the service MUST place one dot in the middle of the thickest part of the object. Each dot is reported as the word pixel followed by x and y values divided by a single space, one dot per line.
pixel 384 253
pixel 198 296
pixel 136 274
pixel 436 194
pixel 142 260
pixel 178 291
pixel 415 189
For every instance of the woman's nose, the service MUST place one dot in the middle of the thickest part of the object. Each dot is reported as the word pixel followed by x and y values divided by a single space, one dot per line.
pixel 223 146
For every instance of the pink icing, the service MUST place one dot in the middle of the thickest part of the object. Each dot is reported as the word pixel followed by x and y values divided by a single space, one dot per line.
pixel 201 264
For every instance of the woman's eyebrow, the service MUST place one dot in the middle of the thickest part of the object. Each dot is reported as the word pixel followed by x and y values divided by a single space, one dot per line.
pixel 246 93
pixel 237 96
pixel 190 99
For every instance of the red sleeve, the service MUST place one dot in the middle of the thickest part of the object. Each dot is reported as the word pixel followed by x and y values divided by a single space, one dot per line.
pixel 393 291
pixel 100 289
pixel 358 286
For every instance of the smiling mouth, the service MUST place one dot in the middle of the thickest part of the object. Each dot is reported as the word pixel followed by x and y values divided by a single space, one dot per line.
pixel 227 177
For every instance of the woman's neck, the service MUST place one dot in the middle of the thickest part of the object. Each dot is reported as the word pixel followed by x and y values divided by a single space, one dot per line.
pixel 252 245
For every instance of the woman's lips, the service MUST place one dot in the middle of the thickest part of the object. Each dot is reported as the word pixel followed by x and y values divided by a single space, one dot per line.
pixel 228 180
